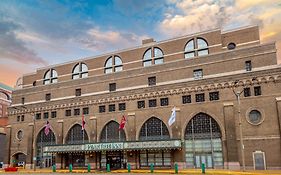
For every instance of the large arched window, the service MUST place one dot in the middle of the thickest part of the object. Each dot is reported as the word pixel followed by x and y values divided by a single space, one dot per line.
pixel 75 135
pixel 203 142
pixel 80 70
pixel 196 47
pixel 112 133
pixel 113 64
pixel 42 159
pixel 154 129
pixel 153 56
pixel 51 76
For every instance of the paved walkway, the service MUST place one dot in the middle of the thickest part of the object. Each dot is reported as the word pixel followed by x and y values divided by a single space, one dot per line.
pixel 158 172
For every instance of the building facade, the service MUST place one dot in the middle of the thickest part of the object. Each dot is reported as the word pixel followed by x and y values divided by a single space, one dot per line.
pixel 223 86
pixel 5 101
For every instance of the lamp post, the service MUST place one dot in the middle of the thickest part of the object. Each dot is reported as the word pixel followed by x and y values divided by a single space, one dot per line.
pixel 237 93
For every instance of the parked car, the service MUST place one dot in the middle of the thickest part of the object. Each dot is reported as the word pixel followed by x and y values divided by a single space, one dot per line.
pixel 20 164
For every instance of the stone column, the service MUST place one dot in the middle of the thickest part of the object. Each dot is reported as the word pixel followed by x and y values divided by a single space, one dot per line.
pixel 93 138
pixel 278 106
pixel 131 126
pixel 93 126
pixel 178 154
pixel 59 157
pixel 231 160
pixel 30 148
pixel 7 158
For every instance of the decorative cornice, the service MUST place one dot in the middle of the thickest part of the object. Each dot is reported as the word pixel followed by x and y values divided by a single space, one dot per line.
pixel 155 94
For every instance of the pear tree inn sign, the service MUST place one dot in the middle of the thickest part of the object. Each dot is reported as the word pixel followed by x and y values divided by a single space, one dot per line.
pixel 169 144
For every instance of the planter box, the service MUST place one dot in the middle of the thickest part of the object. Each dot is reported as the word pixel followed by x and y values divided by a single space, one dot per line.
pixel 9 169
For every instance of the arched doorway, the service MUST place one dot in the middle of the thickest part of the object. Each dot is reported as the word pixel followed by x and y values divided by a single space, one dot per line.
pixel 112 133
pixel 19 159
pixel 44 159
pixel 154 129
pixel 203 142
pixel 76 136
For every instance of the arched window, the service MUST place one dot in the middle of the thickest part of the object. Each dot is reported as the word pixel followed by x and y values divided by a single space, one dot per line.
pixel 80 70
pixel 51 76
pixel 154 129
pixel 44 160
pixel 203 142
pixel 75 135
pixel 112 133
pixel 153 56
pixel 113 64
pixel 198 48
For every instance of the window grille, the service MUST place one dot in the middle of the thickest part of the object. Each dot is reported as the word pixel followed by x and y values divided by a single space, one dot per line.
pixel 141 104
pixel 186 99
pixel 154 129
pixel 112 133
pixel 75 135
pixel 200 97
pixel 152 103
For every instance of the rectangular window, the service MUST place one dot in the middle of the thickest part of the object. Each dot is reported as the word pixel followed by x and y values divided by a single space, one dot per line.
pixel 122 106
pixel 18 118
pixel 247 92
pixel 164 101
pixel 77 111
pixel 151 81
pixel 198 74
pixel 68 112
pixel 102 109
pixel 186 99
pixel 22 118
pixel 53 114
pixel 214 96
pixel 86 111
pixel 77 92
pixel 200 97
pixel 112 87
pixel 111 108
pixel 257 90
pixel 48 97
pixel 38 116
pixel 248 65
pixel 22 100
pixel 46 115
pixel 141 104
pixel 152 103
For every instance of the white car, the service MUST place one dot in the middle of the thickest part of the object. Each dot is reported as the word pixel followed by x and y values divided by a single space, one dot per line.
pixel 21 164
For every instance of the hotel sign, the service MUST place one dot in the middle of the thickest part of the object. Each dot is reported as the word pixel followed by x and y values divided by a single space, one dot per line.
pixel 169 144
pixel 103 146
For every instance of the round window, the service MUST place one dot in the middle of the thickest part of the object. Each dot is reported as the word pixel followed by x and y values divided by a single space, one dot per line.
pixel 255 117
pixel 231 46
pixel 20 134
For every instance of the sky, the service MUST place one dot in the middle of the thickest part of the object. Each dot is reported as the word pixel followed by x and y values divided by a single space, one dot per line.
pixel 35 34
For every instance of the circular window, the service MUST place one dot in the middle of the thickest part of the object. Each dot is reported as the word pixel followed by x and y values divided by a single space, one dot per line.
pixel 20 134
pixel 231 46
pixel 255 117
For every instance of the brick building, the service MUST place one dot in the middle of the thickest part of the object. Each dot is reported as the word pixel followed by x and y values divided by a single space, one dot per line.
pixel 5 101
pixel 224 87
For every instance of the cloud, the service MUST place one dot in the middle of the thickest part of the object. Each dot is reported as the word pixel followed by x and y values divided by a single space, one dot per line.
pixel 107 40
pixel 13 48
pixel 191 16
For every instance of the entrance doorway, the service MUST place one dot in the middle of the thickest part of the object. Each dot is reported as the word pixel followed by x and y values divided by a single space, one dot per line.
pixel 203 158
pixel 77 160
pixel 259 160
pixel 114 159
pixel 203 143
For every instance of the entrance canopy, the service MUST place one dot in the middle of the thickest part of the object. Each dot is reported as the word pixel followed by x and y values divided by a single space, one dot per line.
pixel 114 146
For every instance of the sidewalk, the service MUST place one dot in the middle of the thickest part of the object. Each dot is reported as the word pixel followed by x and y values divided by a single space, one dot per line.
pixel 170 171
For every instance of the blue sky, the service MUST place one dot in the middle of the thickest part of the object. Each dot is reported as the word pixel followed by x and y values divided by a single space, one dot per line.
pixel 38 33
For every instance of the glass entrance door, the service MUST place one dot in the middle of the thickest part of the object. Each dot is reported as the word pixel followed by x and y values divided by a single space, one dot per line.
pixel 114 159
pixel 203 158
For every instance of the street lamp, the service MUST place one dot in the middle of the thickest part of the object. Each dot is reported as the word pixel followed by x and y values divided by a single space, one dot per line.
pixel 237 93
